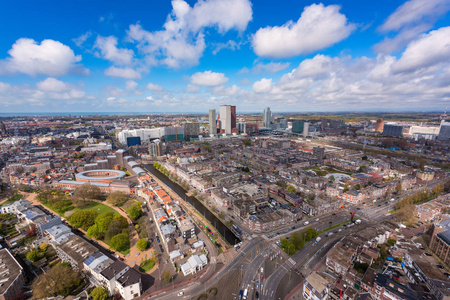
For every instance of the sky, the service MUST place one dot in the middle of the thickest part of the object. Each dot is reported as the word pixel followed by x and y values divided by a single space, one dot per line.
pixel 190 56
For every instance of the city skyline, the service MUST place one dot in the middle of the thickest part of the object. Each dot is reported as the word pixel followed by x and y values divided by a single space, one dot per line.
pixel 196 55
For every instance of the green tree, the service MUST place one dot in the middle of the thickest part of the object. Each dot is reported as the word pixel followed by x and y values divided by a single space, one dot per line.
pixel 291 189
pixel 83 219
pixel 104 220
pixel 357 186
pixel 346 186
pixel 33 255
pixel 115 227
pixel 331 178
pixel 134 212
pixel 117 198
pixel 142 244
pixel 95 232
pixel 84 193
pixel 296 240
pixel 59 280
pixel 99 293
pixel 166 276
pixel 398 188
pixel 120 242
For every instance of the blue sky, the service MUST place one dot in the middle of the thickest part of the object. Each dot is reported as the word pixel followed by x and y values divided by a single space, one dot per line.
pixel 189 56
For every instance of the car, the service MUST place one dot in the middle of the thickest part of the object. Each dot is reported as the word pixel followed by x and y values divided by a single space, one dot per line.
pixel 358 208
pixel 151 240
pixel 180 294
pixel 317 220
pixel 257 285
pixel 379 204
pixel 336 231
pixel 333 214
pixel 167 261
pixel 262 285
pixel 340 229
pixel 293 227
pixel 256 294
pixel 439 266
pixel 262 278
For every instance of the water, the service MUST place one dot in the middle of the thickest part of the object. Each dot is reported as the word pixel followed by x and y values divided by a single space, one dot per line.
pixel 217 223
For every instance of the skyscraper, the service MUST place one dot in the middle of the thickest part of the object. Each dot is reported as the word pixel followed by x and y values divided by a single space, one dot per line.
pixel 267 117
pixel 212 128
pixel 226 118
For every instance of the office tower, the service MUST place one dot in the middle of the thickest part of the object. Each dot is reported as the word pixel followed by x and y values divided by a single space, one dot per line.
pixel 212 128
pixel 444 131
pixel 282 123
pixel 306 128
pixel 225 119
pixel 233 117
pixel 393 130
pixel 155 148
pixel 297 126
pixel 174 134
pixel 379 125
pixel 267 117
pixel 191 130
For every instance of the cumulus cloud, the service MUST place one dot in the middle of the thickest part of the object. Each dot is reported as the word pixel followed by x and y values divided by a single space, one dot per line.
pixel 428 50
pixel 192 89
pixel 225 90
pixel 47 58
pixel 155 88
pixel 127 73
pixel 409 20
pixel 108 50
pixel 269 67
pixel 208 78
pixel 181 43
pixel 262 86
pixel 317 28
pixel 131 85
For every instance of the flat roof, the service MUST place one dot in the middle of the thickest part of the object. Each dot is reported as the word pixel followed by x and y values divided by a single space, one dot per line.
pixel 9 264
pixel 115 174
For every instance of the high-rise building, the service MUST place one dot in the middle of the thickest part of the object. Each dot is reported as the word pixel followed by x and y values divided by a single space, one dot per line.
pixel 155 148
pixel 191 130
pixel 225 119
pixel 267 117
pixel 212 128
pixel 379 125
pixel 306 128
pixel 393 130
pixel 233 117
pixel 297 126
pixel 174 134
pixel 444 131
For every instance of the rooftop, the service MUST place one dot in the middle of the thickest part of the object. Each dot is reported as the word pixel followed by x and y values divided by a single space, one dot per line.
pixel 9 270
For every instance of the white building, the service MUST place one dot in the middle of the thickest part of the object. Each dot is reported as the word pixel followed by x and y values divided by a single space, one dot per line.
pixel 194 263
pixel 118 277
pixel 146 134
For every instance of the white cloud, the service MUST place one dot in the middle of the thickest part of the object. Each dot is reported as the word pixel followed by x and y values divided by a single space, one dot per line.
pixel 155 88
pixel 410 20
pixel 232 45
pixel 79 41
pixel 428 50
pixel 318 27
pixel 192 89
pixel 413 12
pixel 225 90
pixel 262 86
pixel 108 50
pixel 208 78
pixel 269 67
pixel 131 85
pixel 48 58
pixel 181 43
pixel 126 73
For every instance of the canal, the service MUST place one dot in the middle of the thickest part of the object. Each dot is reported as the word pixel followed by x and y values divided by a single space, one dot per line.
pixel 216 222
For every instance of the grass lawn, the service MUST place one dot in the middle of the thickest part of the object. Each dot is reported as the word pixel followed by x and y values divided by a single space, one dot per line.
pixel 125 252
pixel 336 225
pixel 334 170
pixel 147 265
pixel 98 207
pixel 320 172
pixel 14 198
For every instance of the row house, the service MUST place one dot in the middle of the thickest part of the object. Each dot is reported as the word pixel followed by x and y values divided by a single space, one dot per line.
pixel 222 198
pixel 263 222
pixel 201 184
pixel 353 196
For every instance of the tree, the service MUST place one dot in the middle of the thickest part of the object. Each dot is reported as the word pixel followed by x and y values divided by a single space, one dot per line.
pixel 99 293
pixel 421 164
pixel 117 198
pixel 83 219
pixel 296 240
pixel 346 186
pixel 331 178
pixel 33 255
pixel 86 192
pixel 134 212
pixel 142 244
pixel 115 227
pixel 104 220
pixel 398 188
pixel 291 189
pixel 59 280
pixel 357 186
pixel 120 242
pixel 43 247
pixel 166 276
pixel 95 232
